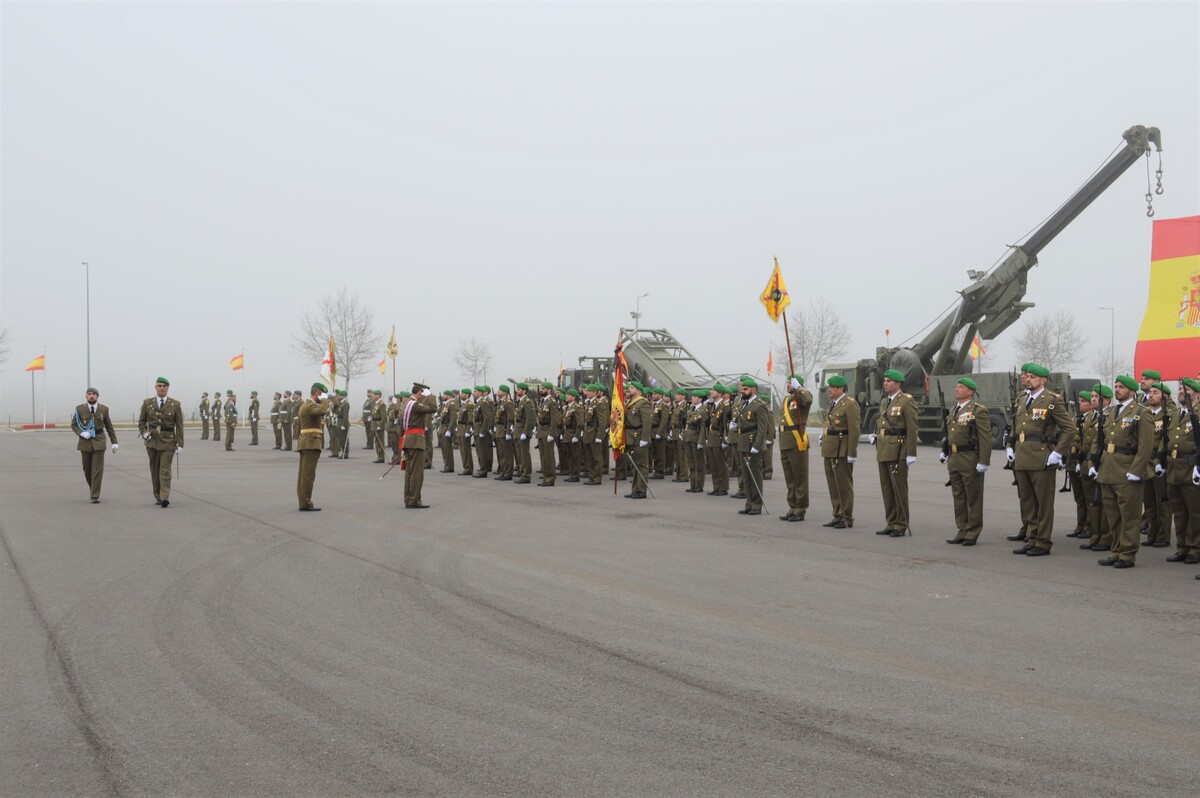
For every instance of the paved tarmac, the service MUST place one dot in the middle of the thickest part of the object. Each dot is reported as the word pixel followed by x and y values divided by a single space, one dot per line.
pixel 526 641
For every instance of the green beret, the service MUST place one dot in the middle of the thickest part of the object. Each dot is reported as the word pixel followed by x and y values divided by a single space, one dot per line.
pixel 448 392
pixel 254 393
pixel 318 386
pixel 572 392
pixel 599 387
pixel 524 386
pixel 635 384
pixel 893 375
pixel 484 388
pixel 1128 382
pixel 377 392
pixel 405 394
pixel 547 384
pixel 341 393
pixel 480 389
pixel 1025 367
pixel 229 393
pixel 719 388
pixel 797 378
pixel 748 381
pixel 681 392
pixel 465 391
pixel 837 381
pixel 703 394
pixel 165 381
pixel 1191 383
pixel 1104 391
pixel 397 396
pixel 1087 395
pixel 1151 374
pixel 967 381
pixel 503 389
pixel 1037 370
pixel 1161 387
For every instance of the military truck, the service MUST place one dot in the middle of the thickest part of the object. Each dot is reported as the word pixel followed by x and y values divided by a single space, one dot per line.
pixel 990 303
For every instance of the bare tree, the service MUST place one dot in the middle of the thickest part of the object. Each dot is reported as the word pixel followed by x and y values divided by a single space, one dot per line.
pixel 3 345
pixel 352 326
pixel 1109 366
pixel 818 335
pixel 1055 342
pixel 473 359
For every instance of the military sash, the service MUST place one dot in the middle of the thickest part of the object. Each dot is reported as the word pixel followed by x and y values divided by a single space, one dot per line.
pixel 801 435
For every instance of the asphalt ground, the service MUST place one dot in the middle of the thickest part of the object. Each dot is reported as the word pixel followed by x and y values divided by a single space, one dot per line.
pixel 526 641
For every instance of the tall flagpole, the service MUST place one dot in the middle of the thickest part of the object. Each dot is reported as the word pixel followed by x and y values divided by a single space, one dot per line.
pixel 245 396
pixel 43 388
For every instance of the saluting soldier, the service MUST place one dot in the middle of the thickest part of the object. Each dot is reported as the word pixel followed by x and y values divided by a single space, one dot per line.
pixel 715 443
pixel 368 418
pixel 754 423
pixel 523 419
pixel 1101 535
pixel 1156 512
pixel 466 415
pixel 215 416
pixel 839 450
pixel 502 426
pixel 252 414
pixel 638 423
pixel 285 420
pixel 231 419
pixel 418 408
pixel 1044 430
pixel 793 448
pixel 276 424
pixel 1124 464
pixel 695 433
pixel 1183 475
pixel 967 455
pixel 548 423
pixel 311 417
pixel 895 442
pixel 160 424
pixel 204 416
pixel 92 423
pixel 572 426
pixel 483 423
pixel 378 433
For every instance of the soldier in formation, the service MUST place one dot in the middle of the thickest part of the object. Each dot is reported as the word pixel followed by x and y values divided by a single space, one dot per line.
pixel 793 447
pixel 967 453
pixel 839 450
pixel 204 412
pixel 895 441
pixel 1044 430
pixel 231 419
pixel 252 417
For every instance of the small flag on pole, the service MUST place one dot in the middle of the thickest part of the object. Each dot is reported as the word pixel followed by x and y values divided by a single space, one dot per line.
pixel 770 363
pixel 392 347
pixel 238 362
pixel 37 364
pixel 616 417
pixel 382 366
pixel 977 349
pixel 775 296
pixel 330 362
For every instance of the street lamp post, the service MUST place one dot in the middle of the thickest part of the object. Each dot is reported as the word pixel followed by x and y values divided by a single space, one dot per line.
pixel 1112 344
pixel 637 313
pixel 87 272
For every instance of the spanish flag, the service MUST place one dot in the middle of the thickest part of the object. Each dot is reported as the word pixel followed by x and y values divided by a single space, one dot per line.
pixel 977 349
pixel 330 362
pixel 775 296
pixel 770 363
pixel 616 417
pixel 1169 340
pixel 37 364
pixel 382 366
pixel 238 362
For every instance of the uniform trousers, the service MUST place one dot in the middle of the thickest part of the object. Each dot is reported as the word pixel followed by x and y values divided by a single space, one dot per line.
pixel 1123 508
pixel 839 478
pixel 753 478
pixel 966 487
pixel 307 476
pixel 1157 514
pixel 795 477
pixel 1036 490
pixel 160 471
pixel 893 482
pixel 93 470
pixel 1185 505
pixel 546 458
pixel 414 476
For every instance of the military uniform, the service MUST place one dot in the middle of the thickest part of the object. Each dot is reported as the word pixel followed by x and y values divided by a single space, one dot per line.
pixel 483 423
pixel 368 420
pixel 1156 506
pixel 215 417
pixel 447 413
pixel 252 416
pixel 895 443
pixel 1100 538
pixel 968 446
pixel 695 432
pixel 231 420
pixel 413 418
pixel 343 422
pixel 285 421
pixel 502 434
pixel 276 424
pixel 754 425
pixel 160 423
pixel 92 424
pixel 1076 465
pixel 1182 491
pixel 392 427
pixel 658 435
pixel 1129 443
pixel 768 453
pixel 572 428
pixel 378 433
pixel 839 450
pixel 523 418
pixel 311 417
pixel 549 421
pixel 297 403
pixel 639 421
pixel 715 444
pixel 204 417
pixel 793 450
pixel 683 457
pixel 466 415
pixel 602 410
pixel 1042 429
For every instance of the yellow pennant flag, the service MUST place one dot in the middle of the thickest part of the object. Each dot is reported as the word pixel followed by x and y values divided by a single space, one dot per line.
pixel 382 366
pixel 775 296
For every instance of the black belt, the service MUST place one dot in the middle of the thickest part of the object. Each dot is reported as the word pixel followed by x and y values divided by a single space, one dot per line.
pixel 791 428
pixel 839 432
pixel 1124 450
pixel 1034 438
pixel 895 432
pixel 966 447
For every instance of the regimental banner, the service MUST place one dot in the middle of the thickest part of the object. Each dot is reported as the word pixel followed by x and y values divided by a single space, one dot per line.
pixel 1169 340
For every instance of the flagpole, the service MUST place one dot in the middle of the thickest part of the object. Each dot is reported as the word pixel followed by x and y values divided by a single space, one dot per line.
pixel 245 396
pixel 43 392
pixel 32 399
pixel 788 336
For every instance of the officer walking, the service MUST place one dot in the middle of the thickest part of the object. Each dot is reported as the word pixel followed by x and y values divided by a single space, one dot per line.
pixel 92 423
pixel 160 424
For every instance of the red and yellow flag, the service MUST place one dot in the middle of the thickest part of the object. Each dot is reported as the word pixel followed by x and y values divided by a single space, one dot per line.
pixel 382 366
pixel 770 363
pixel 977 349
pixel 1169 340
pixel 775 296
pixel 616 417
pixel 330 362
pixel 238 362
pixel 37 364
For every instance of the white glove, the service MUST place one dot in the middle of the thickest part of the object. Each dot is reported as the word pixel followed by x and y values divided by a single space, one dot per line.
pixel 851 459
pixel 1092 472
pixel 145 436
pixel 1009 454
pixel 178 449
pixel 1078 468
pixel 447 434
pixel 1159 470
pixel 115 447
pixel 524 437
pixel 550 438
pixel 908 461
pixel 724 445
pixel 794 384
pixel 85 434
pixel 574 440
pixel 1196 475
pixel 643 443
pixel 981 468
pixel 324 396
pixel 733 425
pixel 658 437
pixel 871 438
pixel 942 458
pixel 1054 459
pixel 700 446
pixel 508 436
pixel 1132 477
pixel 599 441
pixel 753 450
pixel 343 429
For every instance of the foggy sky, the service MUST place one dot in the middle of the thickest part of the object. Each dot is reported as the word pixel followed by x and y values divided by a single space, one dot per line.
pixel 520 173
